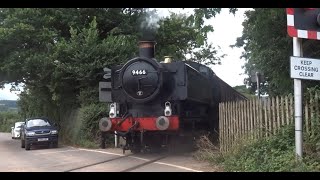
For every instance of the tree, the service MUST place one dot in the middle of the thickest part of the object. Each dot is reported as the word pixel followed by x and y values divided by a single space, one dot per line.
pixel 245 91
pixel 268 48
pixel 57 53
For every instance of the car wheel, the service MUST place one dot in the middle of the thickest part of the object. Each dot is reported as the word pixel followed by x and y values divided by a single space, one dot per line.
pixel 55 145
pixel 22 143
pixel 27 145
pixel 12 137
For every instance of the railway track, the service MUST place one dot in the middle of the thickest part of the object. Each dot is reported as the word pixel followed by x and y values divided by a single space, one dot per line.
pixel 118 158
pixel 101 162
pixel 143 164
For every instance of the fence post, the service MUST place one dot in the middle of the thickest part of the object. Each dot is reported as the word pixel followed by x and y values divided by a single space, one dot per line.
pixel 278 113
pixel 291 110
pixel 274 119
pixel 307 117
pixel 282 105
pixel 287 111
pixel 266 117
pixel 312 113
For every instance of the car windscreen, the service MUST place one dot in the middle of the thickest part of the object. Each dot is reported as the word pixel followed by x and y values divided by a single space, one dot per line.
pixel 37 122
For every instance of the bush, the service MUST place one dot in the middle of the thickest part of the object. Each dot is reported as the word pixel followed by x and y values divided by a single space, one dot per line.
pixel 7 120
pixel 81 128
pixel 272 154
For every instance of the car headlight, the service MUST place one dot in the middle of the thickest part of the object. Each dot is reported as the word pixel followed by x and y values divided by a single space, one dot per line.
pixel 54 132
pixel 30 133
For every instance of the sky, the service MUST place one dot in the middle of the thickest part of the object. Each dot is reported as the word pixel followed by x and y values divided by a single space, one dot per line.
pixel 227 27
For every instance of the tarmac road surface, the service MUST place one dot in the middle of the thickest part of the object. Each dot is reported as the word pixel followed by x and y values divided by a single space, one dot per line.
pixel 13 158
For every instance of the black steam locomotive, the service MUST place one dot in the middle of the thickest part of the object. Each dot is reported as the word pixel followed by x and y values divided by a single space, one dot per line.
pixel 152 103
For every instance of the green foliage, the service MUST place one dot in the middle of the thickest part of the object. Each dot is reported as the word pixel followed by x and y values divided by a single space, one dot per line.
pixel 57 54
pixel 185 37
pixel 37 102
pixel 272 154
pixel 268 49
pixel 91 115
pixel 245 91
pixel 3 108
pixel 82 126
pixel 7 120
pixel 268 155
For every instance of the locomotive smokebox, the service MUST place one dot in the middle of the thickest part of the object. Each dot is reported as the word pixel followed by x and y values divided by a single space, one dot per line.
pixel 147 48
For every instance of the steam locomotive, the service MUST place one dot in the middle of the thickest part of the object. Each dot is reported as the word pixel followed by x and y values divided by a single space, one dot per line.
pixel 152 103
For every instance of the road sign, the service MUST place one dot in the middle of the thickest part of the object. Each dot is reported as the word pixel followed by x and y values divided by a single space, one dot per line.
pixel 304 68
pixel 303 22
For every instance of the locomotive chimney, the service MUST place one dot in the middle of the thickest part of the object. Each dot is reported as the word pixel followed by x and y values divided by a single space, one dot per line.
pixel 146 49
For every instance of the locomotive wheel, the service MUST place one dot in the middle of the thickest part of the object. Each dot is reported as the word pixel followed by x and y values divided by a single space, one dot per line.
pixel 181 144
pixel 155 148
pixel 135 146
pixel 135 149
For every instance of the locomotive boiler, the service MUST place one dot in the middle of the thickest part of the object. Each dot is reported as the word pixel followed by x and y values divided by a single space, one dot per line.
pixel 152 103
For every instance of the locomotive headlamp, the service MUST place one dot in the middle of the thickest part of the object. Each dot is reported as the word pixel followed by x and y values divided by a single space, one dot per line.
pixel 167 59
pixel 105 124
pixel 167 109
pixel 162 123
pixel 113 111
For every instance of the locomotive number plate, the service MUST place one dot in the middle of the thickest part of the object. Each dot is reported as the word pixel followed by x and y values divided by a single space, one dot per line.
pixel 139 72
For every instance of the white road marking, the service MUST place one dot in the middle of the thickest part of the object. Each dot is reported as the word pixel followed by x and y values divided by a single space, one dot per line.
pixel 104 152
pixel 58 151
pixel 143 159
pixel 181 167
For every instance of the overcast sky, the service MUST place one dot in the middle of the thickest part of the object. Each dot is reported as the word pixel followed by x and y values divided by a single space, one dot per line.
pixel 227 27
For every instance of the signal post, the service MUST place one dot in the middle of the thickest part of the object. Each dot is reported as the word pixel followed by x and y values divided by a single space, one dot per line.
pixel 302 23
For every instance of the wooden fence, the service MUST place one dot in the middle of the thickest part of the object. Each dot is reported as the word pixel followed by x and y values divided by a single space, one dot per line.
pixel 253 119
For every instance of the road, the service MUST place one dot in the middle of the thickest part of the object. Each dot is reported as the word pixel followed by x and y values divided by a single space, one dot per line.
pixel 13 158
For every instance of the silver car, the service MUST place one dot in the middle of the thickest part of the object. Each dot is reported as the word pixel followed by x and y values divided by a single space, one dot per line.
pixel 15 130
